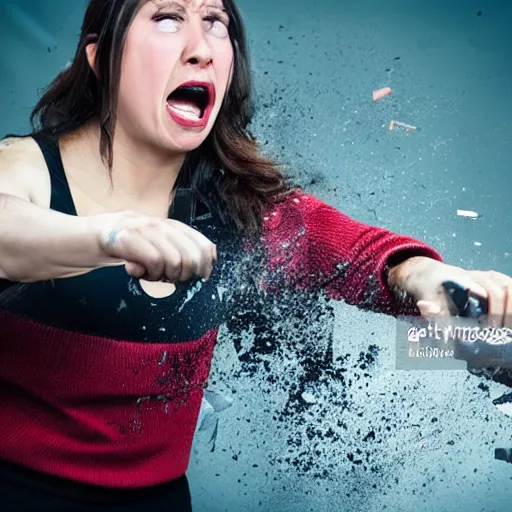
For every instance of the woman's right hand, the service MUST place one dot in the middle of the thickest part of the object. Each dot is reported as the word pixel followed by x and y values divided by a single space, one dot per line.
pixel 153 248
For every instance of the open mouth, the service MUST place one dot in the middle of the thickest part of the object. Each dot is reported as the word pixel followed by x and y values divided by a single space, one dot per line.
pixel 191 100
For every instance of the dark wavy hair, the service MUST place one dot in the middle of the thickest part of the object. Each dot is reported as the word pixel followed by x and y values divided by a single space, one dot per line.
pixel 227 170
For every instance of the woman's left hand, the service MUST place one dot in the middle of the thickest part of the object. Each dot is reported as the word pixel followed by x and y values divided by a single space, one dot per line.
pixel 422 278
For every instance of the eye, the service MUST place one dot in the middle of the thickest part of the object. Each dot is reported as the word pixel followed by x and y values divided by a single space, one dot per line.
pixel 168 23
pixel 216 25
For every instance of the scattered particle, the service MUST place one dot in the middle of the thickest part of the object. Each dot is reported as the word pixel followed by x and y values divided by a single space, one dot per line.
pixel 468 213
pixel 378 94
pixel 308 398
pixel 398 124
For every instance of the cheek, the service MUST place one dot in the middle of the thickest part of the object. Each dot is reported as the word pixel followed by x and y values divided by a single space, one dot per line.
pixel 146 70
pixel 225 66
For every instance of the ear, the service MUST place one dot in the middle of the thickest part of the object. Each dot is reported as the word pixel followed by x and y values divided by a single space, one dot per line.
pixel 91 45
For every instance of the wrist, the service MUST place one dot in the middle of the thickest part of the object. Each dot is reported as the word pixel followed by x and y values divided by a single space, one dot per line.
pixel 403 278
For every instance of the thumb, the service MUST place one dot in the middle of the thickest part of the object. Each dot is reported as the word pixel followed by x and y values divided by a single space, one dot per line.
pixel 428 308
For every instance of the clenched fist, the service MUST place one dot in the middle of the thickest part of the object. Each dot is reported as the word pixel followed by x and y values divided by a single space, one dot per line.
pixel 155 249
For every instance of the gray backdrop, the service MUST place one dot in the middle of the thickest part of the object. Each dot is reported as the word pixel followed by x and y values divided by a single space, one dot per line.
pixel 376 438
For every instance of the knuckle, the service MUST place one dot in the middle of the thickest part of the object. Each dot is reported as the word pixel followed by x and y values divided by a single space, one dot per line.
pixel 173 273
pixel 497 299
pixel 154 260
pixel 208 247
pixel 186 262
pixel 197 258
pixel 174 259
pixel 176 266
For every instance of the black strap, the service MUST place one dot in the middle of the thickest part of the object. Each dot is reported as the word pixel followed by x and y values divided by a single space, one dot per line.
pixel 61 199
pixel 184 207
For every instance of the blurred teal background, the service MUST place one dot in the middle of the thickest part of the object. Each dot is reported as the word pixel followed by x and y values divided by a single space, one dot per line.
pixel 315 65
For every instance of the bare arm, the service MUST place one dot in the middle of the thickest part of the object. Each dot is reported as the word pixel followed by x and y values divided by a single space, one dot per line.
pixel 37 243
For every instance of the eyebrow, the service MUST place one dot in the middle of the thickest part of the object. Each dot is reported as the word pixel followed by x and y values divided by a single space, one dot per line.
pixel 162 4
pixel 166 4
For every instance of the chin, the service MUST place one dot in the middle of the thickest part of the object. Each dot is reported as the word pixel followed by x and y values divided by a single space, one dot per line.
pixel 186 142
pixel 186 146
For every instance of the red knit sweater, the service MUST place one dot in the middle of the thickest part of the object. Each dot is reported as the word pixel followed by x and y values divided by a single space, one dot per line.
pixel 122 414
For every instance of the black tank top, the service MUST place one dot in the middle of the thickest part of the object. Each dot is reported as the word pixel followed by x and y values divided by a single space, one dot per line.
pixel 108 302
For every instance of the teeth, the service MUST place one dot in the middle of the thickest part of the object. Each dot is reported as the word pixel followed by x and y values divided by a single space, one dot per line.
pixel 188 111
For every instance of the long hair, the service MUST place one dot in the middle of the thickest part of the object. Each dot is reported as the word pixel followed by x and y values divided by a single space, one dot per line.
pixel 227 170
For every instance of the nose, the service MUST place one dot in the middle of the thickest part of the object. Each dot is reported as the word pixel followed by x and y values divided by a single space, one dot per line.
pixel 197 51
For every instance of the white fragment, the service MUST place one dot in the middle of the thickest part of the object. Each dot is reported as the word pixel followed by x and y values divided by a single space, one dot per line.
pixel 205 411
pixel 122 305
pixel 308 398
pixel 478 244
pixel 505 408
pixel 221 290
pixel 190 294
pixel 467 213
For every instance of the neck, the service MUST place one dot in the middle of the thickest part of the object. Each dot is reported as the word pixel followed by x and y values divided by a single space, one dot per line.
pixel 139 170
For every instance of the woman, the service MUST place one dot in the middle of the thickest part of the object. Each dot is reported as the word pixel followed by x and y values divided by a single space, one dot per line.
pixel 137 199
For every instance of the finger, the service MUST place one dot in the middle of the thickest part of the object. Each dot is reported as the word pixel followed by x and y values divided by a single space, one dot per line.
pixel 428 309
pixel 474 281
pixel 171 256
pixel 507 321
pixel 190 255
pixel 135 270
pixel 189 231
pixel 496 300
pixel 207 251
pixel 444 302
pixel 207 261
pixel 207 247
pixel 140 252
pixel 499 278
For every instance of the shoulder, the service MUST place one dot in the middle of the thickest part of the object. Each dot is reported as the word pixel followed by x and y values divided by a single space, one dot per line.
pixel 23 170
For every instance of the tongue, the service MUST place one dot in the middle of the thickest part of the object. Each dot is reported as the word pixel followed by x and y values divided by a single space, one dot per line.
pixel 185 107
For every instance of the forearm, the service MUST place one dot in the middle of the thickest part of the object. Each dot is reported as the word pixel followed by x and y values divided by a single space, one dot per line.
pixel 360 263
pixel 38 243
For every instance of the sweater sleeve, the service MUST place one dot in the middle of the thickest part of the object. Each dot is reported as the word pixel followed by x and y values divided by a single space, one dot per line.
pixel 316 247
